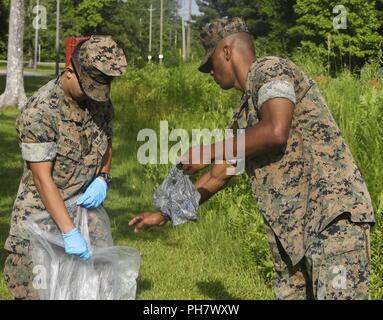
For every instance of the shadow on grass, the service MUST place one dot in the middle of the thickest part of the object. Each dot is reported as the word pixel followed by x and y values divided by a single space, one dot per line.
pixel 144 285
pixel 215 290
pixel 10 173
pixel 122 231
pixel 4 293
pixel 4 229
pixel 10 119
pixel 122 185
pixel 31 84
pixel 11 165
pixel 10 179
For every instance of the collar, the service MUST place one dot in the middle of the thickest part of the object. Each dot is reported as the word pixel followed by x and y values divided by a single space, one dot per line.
pixel 247 94
pixel 249 88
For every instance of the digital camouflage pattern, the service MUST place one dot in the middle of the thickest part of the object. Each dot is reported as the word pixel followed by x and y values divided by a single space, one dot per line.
pixel 214 32
pixel 18 275
pixel 80 136
pixel 315 179
pixel 97 61
pixel 18 271
pixel 336 265
pixel 75 137
pixel 276 88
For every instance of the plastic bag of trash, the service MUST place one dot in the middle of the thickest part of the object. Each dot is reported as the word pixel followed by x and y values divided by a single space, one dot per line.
pixel 110 274
pixel 177 197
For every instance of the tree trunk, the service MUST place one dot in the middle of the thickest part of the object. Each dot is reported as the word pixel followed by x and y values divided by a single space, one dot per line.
pixel 14 93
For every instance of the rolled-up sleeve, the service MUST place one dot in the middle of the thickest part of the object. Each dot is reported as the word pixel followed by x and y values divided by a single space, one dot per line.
pixel 273 78
pixel 37 152
pixel 36 133
pixel 276 89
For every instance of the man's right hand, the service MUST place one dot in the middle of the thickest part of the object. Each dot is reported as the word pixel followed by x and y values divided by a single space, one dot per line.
pixel 75 244
pixel 146 220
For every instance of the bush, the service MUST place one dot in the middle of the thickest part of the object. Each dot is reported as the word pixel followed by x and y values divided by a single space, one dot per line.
pixel 358 42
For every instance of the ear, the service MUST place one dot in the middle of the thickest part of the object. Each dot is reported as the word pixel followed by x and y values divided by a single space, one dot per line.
pixel 227 52
pixel 69 72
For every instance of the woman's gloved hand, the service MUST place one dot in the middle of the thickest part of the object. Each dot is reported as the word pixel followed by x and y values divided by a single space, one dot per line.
pixel 75 244
pixel 94 195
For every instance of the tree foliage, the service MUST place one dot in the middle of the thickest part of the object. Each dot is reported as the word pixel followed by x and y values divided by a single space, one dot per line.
pixel 267 20
pixel 278 26
pixel 282 26
pixel 127 21
pixel 355 44
pixel 4 13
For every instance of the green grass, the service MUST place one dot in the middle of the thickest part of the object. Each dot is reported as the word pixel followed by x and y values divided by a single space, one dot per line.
pixel 31 84
pixel 225 255
pixel 10 172
pixel 47 69
pixel 194 261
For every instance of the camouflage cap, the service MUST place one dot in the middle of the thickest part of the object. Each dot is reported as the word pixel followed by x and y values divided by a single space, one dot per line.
pixel 97 61
pixel 212 33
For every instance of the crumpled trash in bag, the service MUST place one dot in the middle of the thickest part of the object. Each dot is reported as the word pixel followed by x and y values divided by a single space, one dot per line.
pixel 177 197
pixel 110 274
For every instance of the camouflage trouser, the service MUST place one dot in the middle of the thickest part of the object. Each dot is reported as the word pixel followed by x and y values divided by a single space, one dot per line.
pixel 18 276
pixel 18 270
pixel 336 265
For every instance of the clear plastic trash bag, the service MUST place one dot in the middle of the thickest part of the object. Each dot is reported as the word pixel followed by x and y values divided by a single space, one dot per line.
pixel 110 274
pixel 177 197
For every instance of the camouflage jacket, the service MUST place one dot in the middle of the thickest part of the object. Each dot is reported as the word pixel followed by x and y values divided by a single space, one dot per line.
pixel 315 179
pixel 53 127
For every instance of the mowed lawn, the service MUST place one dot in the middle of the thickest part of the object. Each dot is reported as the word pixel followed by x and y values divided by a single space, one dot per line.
pixel 194 261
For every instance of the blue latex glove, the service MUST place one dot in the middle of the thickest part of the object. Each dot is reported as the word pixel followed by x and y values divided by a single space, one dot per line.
pixel 94 195
pixel 74 243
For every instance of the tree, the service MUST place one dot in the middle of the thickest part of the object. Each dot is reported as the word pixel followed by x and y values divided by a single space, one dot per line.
pixel 128 23
pixel 357 43
pixel 267 20
pixel 4 12
pixel 14 93
pixel 126 20
pixel 379 13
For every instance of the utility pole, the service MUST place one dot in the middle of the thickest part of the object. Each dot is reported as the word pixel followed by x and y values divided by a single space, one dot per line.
pixel 188 50
pixel 183 41
pixel 140 29
pixel 150 32
pixel 328 53
pixel 161 56
pixel 57 38
pixel 36 35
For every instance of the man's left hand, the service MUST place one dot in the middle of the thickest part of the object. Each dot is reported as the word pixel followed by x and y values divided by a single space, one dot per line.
pixel 94 195
pixel 146 220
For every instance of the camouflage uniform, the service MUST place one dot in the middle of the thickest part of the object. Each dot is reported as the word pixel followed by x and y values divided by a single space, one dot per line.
pixel 302 190
pixel 73 135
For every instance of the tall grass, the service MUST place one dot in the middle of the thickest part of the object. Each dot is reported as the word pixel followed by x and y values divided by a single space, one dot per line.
pixel 357 105
pixel 207 253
